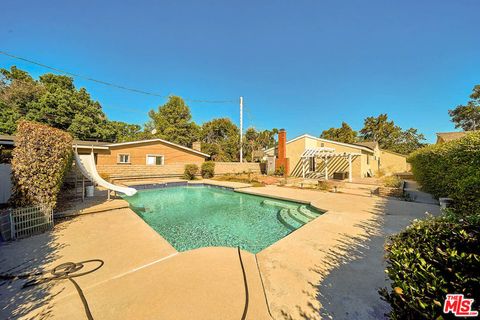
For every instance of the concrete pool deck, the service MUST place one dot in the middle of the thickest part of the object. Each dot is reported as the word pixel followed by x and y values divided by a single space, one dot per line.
pixel 332 267
pixel 143 276
pixel 329 268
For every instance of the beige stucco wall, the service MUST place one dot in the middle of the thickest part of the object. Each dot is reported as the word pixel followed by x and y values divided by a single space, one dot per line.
pixel 294 153
pixel 296 148
pixel 391 162
pixel 341 164
pixel 368 162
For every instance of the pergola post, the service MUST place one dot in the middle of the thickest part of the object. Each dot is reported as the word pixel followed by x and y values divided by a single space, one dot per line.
pixel 349 168
pixel 303 168
pixel 326 168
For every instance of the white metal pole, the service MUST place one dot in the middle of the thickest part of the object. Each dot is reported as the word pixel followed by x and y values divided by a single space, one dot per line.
pixel 241 129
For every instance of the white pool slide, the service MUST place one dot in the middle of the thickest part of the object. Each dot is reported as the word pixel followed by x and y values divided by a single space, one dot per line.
pixel 86 164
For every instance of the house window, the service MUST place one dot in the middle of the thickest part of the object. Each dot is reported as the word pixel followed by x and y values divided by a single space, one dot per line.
pixel 123 158
pixel 368 159
pixel 155 160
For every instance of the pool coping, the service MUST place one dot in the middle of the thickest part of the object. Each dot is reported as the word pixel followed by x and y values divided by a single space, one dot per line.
pixel 220 185
pixel 291 199
pixel 239 190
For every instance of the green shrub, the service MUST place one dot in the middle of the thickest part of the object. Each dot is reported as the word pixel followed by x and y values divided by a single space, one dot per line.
pixel 5 155
pixel 41 158
pixel 324 185
pixel 208 169
pixel 451 170
pixel 430 259
pixel 280 171
pixel 190 171
pixel 392 182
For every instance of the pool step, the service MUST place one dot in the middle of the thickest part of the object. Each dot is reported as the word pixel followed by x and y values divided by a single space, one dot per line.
pixel 279 204
pixel 298 216
pixel 139 208
pixel 284 217
pixel 308 213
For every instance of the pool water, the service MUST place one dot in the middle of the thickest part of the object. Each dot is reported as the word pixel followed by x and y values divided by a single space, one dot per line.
pixel 192 217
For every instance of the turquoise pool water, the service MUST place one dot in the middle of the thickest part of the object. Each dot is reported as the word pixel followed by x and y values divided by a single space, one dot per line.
pixel 193 217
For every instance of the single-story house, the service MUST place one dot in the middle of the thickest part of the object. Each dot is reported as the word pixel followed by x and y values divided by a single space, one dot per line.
pixel 311 157
pixel 443 137
pixel 143 157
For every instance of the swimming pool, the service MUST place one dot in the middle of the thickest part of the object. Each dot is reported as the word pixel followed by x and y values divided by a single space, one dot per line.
pixel 191 217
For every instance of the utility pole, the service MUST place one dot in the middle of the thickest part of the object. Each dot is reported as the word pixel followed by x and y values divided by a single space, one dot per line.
pixel 241 129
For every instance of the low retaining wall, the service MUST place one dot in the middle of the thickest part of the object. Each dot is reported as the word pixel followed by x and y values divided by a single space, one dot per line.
pixel 236 167
pixel 172 170
pixel 389 192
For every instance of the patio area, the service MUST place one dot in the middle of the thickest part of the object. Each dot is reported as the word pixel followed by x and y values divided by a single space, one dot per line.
pixel 329 268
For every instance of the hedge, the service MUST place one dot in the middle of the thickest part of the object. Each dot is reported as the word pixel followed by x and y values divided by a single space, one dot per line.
pixel 430 259
pixel 41 158
pixel 451 170
pixel 190 171
pixel 208 169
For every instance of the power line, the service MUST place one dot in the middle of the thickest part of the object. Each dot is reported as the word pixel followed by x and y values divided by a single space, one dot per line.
pixel 109 83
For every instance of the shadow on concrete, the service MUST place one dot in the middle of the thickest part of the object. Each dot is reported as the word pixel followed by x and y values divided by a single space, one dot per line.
pixel 356 264
pixel 350 290
pixel 41 250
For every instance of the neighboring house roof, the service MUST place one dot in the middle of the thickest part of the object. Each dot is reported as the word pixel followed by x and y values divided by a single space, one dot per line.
pixel 6 139
pixel 449 136
pixel 393 152
pixel 83 144
pixel 158 140
pixel 325 140
pixel 369 144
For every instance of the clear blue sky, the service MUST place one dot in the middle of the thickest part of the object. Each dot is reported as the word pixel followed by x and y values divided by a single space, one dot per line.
pixel 302 65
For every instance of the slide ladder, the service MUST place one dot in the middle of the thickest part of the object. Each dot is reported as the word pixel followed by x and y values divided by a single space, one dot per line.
pixel 86 164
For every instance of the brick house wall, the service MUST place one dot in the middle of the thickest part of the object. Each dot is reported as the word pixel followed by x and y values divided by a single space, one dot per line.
pixel 138 154
pixel 172 170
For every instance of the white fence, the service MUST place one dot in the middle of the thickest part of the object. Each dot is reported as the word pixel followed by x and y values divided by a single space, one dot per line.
pixel 25 222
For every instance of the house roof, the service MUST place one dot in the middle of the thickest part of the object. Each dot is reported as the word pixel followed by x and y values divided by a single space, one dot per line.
pixel 393 152
pixel 449 136
pixel 326 140
pixel 6 139
pixel 90 144
pixel 158 140
pixel 369 144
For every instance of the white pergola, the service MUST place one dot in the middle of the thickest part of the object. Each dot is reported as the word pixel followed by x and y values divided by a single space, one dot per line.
pixel 326 154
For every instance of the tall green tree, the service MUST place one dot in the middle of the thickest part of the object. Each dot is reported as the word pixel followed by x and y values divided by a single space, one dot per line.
pixel 343 134
pixel 467 116
pixel 173 122
pixel 257 140
pixel 266 138
pixel 390 136
pixel 53 100
pixel 381 130
pixel 18 90
pixel 220 138
pixel 408 141
pixel 124 132
pixel 250 143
